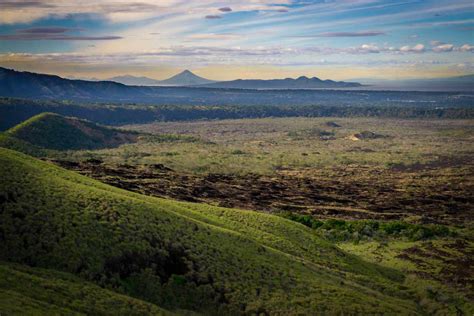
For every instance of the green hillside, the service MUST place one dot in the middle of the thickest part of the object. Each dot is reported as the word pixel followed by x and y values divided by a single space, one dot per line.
pixel 53 131
pixel 182 255
pixel 34 291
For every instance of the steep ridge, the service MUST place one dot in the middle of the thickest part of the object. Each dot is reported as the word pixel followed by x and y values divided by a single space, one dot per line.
pixel 182 255
pixel 33 85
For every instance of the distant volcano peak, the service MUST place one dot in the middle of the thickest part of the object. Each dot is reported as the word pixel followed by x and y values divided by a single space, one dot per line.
pixel 186 78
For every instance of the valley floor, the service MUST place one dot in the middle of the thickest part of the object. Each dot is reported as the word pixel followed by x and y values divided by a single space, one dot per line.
pixel 411 169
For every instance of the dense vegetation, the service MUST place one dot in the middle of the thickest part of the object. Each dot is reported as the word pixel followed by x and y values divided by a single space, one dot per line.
pixel 182 255
pixel 342 230
pixel 53 131
pixel 14 111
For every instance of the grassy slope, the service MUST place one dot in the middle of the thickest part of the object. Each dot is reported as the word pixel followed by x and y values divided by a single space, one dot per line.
pixel 182 255
pixel 34 291
pixel 57 132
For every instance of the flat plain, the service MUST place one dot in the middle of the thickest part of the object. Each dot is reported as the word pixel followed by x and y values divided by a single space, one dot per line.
pixel 325 167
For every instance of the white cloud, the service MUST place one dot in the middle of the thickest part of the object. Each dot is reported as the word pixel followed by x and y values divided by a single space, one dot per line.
pixel 466 48
pixel 443 48
pixel 418 48
pixel 369 48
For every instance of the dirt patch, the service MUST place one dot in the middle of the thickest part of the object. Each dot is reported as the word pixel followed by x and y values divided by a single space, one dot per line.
pixel 436 162
pixel 365 135
pixel 332 124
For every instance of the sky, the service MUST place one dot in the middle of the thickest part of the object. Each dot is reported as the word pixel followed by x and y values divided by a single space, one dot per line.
pixel 226 40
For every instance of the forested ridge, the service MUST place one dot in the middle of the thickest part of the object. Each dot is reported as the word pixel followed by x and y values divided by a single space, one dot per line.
pixel 14 111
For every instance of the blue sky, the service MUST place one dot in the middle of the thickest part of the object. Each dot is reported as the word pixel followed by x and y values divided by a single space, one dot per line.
pixel 336 39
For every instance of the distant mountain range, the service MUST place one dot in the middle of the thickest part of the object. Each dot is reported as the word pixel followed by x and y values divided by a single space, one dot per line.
pixel 189 79
pixel 40 86
pixel 288 83
pixel 185 78
pixel 135 81
pixel 33 85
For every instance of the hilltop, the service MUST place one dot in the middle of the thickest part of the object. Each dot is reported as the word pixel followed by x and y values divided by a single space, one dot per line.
pixel 53 131
pixel 182 255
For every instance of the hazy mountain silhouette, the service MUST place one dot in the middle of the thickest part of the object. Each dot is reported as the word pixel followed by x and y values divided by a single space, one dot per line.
pixel 184 78
pixel 288 83
pixel 135 81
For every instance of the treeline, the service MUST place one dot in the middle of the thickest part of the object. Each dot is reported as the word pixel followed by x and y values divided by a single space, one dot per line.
pixel 14 111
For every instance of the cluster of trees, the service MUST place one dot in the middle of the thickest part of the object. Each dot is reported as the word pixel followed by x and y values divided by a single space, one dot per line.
pixel 342 230
pixel 14 111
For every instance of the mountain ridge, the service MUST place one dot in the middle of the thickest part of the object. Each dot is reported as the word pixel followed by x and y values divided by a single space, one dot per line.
pixel 187 78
